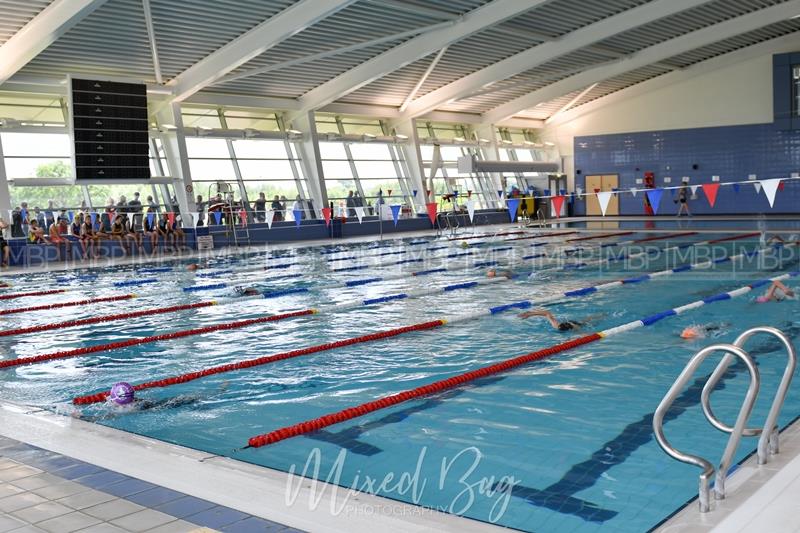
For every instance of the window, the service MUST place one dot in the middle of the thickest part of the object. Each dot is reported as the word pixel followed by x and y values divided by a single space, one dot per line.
pixel 796 90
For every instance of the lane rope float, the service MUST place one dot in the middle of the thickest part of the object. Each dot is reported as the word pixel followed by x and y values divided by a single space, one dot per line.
pixel 59 305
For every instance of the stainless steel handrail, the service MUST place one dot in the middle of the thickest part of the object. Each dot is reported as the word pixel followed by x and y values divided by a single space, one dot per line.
pixel 736 433
pixel 768 442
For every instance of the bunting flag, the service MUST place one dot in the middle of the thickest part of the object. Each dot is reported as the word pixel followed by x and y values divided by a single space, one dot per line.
pixel 243 218
pixel 736 187
pixel 431 207
pixel 298 216
pixel 558 203
pixel 634 191
pixel 757 185
pixel 499 194
pixel 70 216
pixel 326 214
pixel 455 194
pixel 547 192
pixel 694 189
pixel 562 192
pixel 270 216
pixel 395 212
pixel 388 192
pixel 471 209
pixel 604 198
pixel 770 188
pixel 654 196
pixel 93 218
pixel 711 190
pixel 171 218
pixel 360 213
pixel 414 192
pixel 218 217
pixel 513 205
pixel 469 193
pixel 780 186
pixel 595 191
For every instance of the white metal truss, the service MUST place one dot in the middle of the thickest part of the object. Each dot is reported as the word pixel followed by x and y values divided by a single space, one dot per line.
pixel 544 52
pixel 648 56
pixel 253 43
pixel 571 103
pixel 151 35
pixel 43 30
pixel 477 20
pixel 422 79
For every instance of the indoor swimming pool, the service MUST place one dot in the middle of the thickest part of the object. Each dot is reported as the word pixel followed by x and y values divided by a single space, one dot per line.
pixel 563 444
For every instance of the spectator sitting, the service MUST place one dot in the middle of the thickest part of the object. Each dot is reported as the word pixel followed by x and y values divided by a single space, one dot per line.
pixel 36 233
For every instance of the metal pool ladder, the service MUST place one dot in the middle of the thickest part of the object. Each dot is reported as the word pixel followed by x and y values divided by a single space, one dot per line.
pixel 768 434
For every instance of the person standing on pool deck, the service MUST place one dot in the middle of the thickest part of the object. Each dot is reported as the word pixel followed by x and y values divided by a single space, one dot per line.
pixel 683 200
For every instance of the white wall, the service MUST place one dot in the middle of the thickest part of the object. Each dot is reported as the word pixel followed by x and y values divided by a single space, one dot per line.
pixel 732 89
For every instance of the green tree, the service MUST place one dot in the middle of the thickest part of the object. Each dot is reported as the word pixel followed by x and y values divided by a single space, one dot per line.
pixel 54 169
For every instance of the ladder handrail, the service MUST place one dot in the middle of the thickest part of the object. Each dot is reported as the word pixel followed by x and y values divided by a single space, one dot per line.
pixel 733 440
pixel 768 441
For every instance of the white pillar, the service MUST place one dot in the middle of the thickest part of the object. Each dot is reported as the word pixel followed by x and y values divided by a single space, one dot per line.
pixel 177 156
pixel 491 152
pixel 5 192
pixel 311 160
pixel 413 157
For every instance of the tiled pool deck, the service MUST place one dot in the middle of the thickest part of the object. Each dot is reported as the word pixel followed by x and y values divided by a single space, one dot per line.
pixel 46 491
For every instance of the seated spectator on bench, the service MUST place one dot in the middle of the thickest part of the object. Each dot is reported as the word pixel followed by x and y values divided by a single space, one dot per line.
pixel 5 249
pixel 36 233
pixel 151 230
pixel 57 232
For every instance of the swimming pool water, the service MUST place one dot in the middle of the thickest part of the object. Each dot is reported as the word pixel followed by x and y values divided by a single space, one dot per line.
pixel 572 433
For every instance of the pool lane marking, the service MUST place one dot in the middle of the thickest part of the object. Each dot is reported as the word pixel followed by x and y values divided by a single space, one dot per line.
pixel 58 305
pixel 490 370
pixel 525 304
pixel 15 295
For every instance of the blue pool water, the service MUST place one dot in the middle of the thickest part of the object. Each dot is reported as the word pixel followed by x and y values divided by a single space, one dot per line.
pixel 572 434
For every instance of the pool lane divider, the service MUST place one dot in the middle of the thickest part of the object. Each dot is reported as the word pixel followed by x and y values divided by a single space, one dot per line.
pixel 87 350
pixel 601 236
pixel 504 366
pixel 59 305
pixel 525 304
pixel 16 295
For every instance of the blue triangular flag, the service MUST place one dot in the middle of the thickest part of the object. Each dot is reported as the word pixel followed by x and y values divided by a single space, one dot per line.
pixel 513 205
pixel 71 216
pixel 547 192
pixel 414 192
pixel 563 192
pixel 499 194
pixel 218 216
pixel 395 212
pixel 298 215
pixel 93 218
pixel 736 187
pixel 151 216
pixel 654 195
pixel 455 193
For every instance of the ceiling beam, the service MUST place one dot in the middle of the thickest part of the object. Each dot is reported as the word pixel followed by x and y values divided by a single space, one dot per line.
pixel 648 56
pixel 151 36
pixel 252 43
pixel 422 79
pixel 42 31
pixel 542 53
pixel 329 53
pixel 412 50
pixel 414 9
pixel 571 103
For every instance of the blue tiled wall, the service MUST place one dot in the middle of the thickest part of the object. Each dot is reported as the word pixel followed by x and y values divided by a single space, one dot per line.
pixel 731 152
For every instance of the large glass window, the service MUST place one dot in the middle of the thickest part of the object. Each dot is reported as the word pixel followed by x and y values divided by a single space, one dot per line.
pixel 796 90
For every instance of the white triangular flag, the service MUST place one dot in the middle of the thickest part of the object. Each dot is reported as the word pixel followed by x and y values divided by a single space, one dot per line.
pixel 604 198
pixel 634 191
pixel 770 188
pixel 471 209
pixel 757 185
pixel 694 189
pixel 359 213
pixel 270 214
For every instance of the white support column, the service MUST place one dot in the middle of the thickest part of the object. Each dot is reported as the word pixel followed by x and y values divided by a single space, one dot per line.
pixel 491 152
pixel 177 156
pixel 311 159
pixel 413 157
pixel 5 192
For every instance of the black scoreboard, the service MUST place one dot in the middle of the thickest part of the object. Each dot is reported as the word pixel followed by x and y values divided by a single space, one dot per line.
pixel 109 130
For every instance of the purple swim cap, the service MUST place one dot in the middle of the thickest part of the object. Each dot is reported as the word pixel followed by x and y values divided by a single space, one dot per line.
pixel 121 393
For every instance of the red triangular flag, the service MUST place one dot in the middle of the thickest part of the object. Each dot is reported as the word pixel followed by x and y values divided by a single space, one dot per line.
pixel 431 211
pixel 558 202
pixel 596 191
pixel 326 214
pixel 711 192
pixel 780 186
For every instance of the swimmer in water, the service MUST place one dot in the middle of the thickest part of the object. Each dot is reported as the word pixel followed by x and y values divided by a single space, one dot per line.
pixel 246 291
pixel 493 273
pixel 567 325
pixel 194 267
pixel 700 331
pixel 777 292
